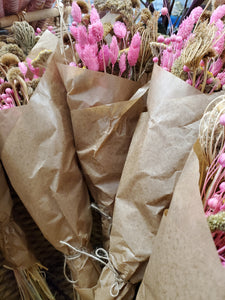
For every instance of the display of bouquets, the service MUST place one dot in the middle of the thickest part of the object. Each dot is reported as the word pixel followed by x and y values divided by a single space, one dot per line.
pixel 18 257
pixel 161 143
pixel 196 52
pixel 46 176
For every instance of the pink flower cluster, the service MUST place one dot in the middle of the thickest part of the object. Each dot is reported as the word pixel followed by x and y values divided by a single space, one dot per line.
pixel 94 53
pixel 6 99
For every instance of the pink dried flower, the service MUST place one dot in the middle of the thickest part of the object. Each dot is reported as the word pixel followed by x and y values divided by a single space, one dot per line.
pixel 90 58
pixel 23 68
pixel 114 50
pixel 96 32
pixel 120 29
pixel 160 39
pixel 122 63
pixel 72 64
pixel 94 17
pixel 216 66
pixel 219 38
pixel 134 49
pixel 187 25
pixel 221 77
pixel 82 36
pixel 222 122
pixel 76 12
pixel 155 59
pixel 103 57
pixel 221 160
pixel 164 11
pixel 217 14
pixel 186 69
pixel 74 31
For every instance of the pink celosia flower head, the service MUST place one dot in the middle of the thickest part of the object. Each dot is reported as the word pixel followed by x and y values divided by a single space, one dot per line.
pixel 76 12
pixel 103 57
pixel 120 29
pixel 134 49
pixel 94 16
pixel 122 63
pixel 114 50
pixel 96 32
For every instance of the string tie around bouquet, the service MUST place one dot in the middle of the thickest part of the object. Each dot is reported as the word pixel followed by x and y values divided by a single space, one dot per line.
pixel 102 256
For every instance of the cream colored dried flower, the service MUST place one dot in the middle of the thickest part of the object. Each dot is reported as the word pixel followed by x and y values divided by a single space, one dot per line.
pixel 83 6
pixel 145 15
pixel 24 35
pixel 9 59
pixel 217 221
pixel 177 69
pixel 2 44
pixel 13 74
pixel 136 3
pixel 108 28
pixel 13 48
pixel 41 59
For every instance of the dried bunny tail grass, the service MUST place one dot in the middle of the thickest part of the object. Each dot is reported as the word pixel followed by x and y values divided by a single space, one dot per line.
pixel 9 59
pixel 83 6
pixel 41 59
pixel 122 7
pixel 108 28
pixel 211 132
pixel 24 35
pixel 14 49
pixel 32 284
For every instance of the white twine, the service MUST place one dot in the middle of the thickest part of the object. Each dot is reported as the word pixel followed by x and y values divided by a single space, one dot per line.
pixel 93 205
pixel 101 255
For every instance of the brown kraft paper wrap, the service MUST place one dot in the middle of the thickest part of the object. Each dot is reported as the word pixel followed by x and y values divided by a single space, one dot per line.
pixel 103 124
pixel 184 263
pixel 15 250
pixel 161 143
pixel 38 154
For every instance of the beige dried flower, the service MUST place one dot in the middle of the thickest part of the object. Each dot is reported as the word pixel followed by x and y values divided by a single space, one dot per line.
pixel 13 48
pixel 217 221
pixel 216 3
pixel 145 15
pixel 205 16
pixel 9 59
pixel 41 59
pixel 83 6
pixel 136 3
pixel 122 7
pixel 108 28
pixel 24 35
pixel 177 69
pixel 199 46
pixel 2 44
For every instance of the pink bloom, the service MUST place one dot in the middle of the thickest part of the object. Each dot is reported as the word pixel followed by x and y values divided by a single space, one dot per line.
pixel 94 17
pixel 90 58
pixel 164 11
pixel 114 50
pixel 23 68
pixel 74 31
pixel 82 36
pixel 122 63
pixel 103 57
pixel 72 64
pixel 217 14
pixel 160 39
pixel 96 32
pixel 155 59
pixel 134 49
pixel 120 29
pixel 76 12
pixel 187 25
pixel 219 37
pixel 221 77
pixel 216 67
pixel 35 71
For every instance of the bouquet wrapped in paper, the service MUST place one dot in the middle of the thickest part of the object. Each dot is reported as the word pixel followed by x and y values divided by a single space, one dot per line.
pixel 161 143
pixel 18 257
pixel 38 154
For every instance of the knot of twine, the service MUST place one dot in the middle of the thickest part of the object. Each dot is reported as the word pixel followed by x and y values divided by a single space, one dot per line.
pixel 101 255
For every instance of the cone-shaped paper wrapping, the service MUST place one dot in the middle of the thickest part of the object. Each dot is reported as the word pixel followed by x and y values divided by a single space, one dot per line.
pixel 87 88
pixel 103 124
pixel 12 239
pixel 184 263
pixel 161 143
pixel 39 157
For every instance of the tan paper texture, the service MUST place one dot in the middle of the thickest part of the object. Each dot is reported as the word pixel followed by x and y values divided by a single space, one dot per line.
pixel 184 264
pixel 39 157
pixel 160 146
